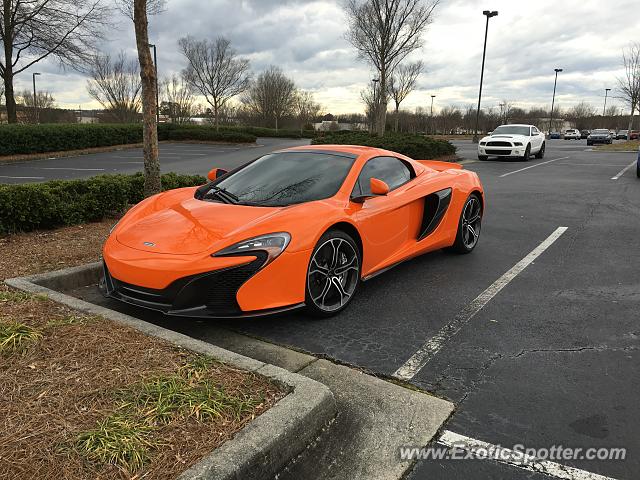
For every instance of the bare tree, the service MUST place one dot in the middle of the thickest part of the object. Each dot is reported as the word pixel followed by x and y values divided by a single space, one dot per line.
pixel 581 115
pixel 271 96
pixel 629 84
pixel 369 97
pixel 32 30
pixel 215 71
pixel 384 32
pixel 305 108
pixel 153 7
pixel 402 83
pixel 115 84
pixel 44 100
pixel 178 101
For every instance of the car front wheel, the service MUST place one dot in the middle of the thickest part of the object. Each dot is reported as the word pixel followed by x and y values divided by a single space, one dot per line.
pixel 482 157
pixel 469 226
pixel 540 153
pixel 527 154
pixel 333 274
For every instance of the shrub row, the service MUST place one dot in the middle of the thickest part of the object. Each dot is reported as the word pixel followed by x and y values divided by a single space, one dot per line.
pixel 26 139
pixel 25 207
pixel 271 132
pixel 415 146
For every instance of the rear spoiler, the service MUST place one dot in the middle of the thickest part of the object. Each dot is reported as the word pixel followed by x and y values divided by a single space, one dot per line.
pixel 440 166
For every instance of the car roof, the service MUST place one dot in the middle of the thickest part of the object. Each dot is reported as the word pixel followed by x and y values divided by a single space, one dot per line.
pixel 516 125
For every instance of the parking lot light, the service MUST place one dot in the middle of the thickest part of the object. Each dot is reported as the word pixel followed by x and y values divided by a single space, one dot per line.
pixel 604 109
pixel 553 100
pixel 488 14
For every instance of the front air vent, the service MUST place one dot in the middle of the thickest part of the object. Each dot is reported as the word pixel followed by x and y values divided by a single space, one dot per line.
pixel 435 206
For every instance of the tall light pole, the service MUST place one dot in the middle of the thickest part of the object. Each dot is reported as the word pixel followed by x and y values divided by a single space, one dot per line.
pixel 35 98
pixel 553 100
pixel 155 64
pixel 487 14
pixel 604 109
pixel 374 113
pixel 432 129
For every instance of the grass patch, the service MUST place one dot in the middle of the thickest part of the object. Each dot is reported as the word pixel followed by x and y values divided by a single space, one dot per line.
pixel 118 440
pixel 123 439
pixel 18 297
pixel 630 145
pixel 67 320
pixel 17 337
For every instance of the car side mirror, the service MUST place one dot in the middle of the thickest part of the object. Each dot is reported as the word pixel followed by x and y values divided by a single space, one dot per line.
pixel 215 173
pixel 378 187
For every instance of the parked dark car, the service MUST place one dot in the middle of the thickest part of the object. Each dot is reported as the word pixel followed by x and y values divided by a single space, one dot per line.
pixel 555 135
pixel 599 135
pixel 622 134
pixel 584 134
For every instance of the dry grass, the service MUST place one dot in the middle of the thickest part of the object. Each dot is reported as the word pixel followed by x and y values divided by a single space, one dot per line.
pixel 45 250
pixel 628 146
pixel 82 380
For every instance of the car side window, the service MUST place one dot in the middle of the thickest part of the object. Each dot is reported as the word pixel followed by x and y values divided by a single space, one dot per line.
pixel 535 131
pixel 390 170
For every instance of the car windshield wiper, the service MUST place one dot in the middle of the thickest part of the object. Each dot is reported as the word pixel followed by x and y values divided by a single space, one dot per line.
pixel 224 194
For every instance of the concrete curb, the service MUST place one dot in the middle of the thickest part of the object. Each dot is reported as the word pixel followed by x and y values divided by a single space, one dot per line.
pixel 264 446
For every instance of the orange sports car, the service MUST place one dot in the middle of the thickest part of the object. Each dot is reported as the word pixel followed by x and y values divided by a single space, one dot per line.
pixel 300 227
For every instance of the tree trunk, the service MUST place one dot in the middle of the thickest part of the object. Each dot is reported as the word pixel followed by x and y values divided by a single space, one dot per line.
pixel 276 123
pixel 630 127
pixel 216 122
pixel 152 182
pixel 9 96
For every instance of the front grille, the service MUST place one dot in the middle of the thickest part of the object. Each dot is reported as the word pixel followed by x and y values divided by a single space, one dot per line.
pixel 215 290
pixel 498 144
pixel 498 152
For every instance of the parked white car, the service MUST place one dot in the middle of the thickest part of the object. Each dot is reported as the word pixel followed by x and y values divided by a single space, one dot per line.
pixel 515 140
pixel 572 134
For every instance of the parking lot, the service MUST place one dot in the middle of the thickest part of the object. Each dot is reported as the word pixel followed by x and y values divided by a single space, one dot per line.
pixel 551 357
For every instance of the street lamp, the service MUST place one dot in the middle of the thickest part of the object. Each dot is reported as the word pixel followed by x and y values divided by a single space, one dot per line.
pixel 487 14
pixel 155 64
pixel 432 97
pixel 374 113
pixel 553 100
pixel 604 109
pixel 35 98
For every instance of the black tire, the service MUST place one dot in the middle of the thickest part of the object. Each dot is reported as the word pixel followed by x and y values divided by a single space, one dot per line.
pixel 638 168
pixel 589 143
pixel 320 283
pixel 527 154
pixel 482 158
pixel 540 154
pixel 461 244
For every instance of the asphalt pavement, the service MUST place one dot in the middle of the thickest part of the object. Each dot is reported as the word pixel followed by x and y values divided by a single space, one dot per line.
pixel 189 158
pixel 552 357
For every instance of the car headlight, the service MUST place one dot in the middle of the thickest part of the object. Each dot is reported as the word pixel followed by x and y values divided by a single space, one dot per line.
pixel 483 143
pixel 518 144
pixel 273 244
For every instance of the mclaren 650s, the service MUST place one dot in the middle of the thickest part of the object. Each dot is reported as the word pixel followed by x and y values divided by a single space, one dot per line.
pixel 300 227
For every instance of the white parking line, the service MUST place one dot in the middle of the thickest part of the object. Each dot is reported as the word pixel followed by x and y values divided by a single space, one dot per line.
pixel 621 172
pixel 480 449
pixel 74 169
pixel 23 178
pixel 430 348
pixel 533 166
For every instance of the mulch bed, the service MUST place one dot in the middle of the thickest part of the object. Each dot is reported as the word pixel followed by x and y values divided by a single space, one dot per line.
pixel 65 382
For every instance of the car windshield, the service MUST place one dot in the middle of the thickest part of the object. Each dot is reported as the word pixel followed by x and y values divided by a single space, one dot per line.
pixel 600 132
pixel 511 130
pixel 286 178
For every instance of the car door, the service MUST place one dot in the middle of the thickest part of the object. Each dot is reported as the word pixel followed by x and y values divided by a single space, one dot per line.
pixel 385 223
pixel 536 139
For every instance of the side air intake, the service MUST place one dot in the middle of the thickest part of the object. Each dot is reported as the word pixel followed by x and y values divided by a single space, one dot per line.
pixel 435 206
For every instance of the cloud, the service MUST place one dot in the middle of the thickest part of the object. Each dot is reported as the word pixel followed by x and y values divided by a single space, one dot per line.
pixel 305 38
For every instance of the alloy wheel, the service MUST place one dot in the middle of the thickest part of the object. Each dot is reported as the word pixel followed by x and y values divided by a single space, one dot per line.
pixel 471 222
pixel 333 274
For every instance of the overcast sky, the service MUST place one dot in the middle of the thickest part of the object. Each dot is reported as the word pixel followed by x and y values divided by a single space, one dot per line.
pixel 527 40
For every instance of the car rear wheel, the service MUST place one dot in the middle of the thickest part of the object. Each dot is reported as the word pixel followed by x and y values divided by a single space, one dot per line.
pixel 469 226
pixel 540 153
pixel 333 274
pixel 482 157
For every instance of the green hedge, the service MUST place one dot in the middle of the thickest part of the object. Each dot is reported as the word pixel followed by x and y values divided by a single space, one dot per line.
pixel 25 207
pixel 415 146
pixel 271 132
pixel 26 139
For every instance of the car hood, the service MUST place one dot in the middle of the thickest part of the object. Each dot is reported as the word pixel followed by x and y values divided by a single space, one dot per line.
pixel 517 138
pixel 179 224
